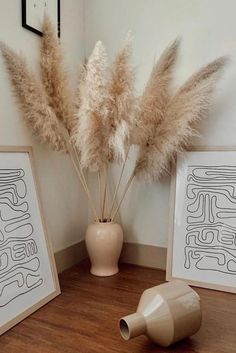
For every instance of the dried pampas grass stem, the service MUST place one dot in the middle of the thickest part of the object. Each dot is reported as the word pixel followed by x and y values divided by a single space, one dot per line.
pixel 81 177
pixel 118 184
pixel 123 196
pixel 100 191
pixel 76 163
pixel 105 191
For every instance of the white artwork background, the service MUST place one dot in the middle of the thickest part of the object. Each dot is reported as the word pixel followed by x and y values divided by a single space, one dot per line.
pixel 204 242
pixel 25 272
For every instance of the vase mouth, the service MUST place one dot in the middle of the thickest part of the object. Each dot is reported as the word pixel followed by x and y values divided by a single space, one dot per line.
pixel 124 329
pixel 104 222
pixel 132 326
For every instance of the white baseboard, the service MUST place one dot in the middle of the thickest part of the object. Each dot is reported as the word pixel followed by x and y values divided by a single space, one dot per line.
pixel 132 253
pixel 70 256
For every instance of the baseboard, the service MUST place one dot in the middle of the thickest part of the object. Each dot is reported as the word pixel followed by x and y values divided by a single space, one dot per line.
pixel 132 253
pixel 144 255
pixel 70 256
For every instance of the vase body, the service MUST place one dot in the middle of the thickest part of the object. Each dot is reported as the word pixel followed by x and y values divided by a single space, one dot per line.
pixel 166 313
pixel 104 243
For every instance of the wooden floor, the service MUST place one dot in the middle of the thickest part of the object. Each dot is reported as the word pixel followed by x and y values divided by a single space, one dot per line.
pixel 84 318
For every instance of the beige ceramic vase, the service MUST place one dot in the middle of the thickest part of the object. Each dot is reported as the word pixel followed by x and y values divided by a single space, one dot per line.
pixel 166 314
pixel 104 243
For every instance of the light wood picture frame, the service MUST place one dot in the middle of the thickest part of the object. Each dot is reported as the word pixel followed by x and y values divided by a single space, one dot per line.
pixel 202 232
pixel 28 275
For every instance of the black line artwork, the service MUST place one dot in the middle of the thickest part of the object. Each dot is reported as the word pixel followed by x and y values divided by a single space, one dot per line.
pixel 19 258
pixel 210 238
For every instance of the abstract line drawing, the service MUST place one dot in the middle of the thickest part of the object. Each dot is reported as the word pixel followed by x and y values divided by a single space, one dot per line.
pixel 210 239
pixel 28 274
pixel 19 261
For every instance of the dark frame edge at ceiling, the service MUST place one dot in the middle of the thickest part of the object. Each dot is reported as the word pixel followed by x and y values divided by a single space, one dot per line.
pixel 32 29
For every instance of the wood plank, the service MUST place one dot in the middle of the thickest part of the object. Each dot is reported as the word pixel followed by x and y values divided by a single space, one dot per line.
pixel 84 318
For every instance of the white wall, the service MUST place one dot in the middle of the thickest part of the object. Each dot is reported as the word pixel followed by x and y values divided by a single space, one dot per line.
pixel 64 204
pixel 208 30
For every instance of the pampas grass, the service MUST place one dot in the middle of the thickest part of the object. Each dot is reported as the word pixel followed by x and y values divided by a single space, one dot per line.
pixel 78 94
pixel 80 87
pixel 32 99
pixel 89 139
pixel 171 135
pixel 54 76
pixel 39 114
pixel 98 123
pixel 190 104
pixel 156 95
pixel 122 108
pixel 121 102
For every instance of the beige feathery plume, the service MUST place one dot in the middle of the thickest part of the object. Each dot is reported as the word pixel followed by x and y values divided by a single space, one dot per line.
pixel 121 102
pixel 33 100
pixel 93 110
pixel 54 76
pixel 79 93
pixel 80 86
pixel 156 94
pixel 191 103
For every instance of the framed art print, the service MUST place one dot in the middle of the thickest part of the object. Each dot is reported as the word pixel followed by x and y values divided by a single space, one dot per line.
pixel 33 12
pixel 28 277
pixel 202 239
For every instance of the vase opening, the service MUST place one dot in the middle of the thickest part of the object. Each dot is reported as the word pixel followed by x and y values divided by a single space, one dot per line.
pixel 132 325
pixel 124 329
pixel 105 220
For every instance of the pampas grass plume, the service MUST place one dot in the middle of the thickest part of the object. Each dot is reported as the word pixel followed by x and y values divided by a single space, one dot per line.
pixel 190 104
pixel 89 139
pixel 121 103
pixel 54 77
pixel 79 93
pixel 156 95
pixel 33 100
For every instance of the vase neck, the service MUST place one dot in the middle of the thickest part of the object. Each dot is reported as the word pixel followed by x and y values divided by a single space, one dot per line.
pixel 132 325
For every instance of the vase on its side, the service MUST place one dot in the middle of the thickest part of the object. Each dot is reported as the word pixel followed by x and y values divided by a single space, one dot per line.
pixel 166 313
pixel 104 243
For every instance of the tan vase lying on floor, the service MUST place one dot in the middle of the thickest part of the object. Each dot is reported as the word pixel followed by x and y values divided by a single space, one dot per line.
pixel 104 243
pixel 166 314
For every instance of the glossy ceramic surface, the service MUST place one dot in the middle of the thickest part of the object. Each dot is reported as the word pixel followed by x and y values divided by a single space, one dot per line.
pixel 166 314
pixel 104 243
